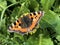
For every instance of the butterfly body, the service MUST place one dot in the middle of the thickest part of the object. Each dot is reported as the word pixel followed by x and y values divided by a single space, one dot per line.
pixel 26 23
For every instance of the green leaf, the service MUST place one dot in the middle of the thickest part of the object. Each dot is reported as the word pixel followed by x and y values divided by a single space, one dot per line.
pixel 34 5
pixel 18 11
pixel 47 4
pixel 56 6
pixel 31 41
pixel 3 4
pixel 58 25
pixel 57 9
pixel 49 19
pixel 45 40
pixel 12 1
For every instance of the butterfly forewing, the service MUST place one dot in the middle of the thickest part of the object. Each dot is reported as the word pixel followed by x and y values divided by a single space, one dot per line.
pixel 26 23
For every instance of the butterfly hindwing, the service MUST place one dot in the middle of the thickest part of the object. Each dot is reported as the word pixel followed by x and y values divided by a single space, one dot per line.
pixel 26 23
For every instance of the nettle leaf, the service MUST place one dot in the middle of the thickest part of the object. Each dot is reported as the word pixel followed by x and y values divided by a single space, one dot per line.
pixel 47 4
pixel 26 2
pixel 31 41
pixel 58 24
pixel 34 5
pixel 3 4
pixel 3 27
pixel 41 40
pixel 49 19
pixel 45 40
pixel 18 11
pixel 24 9
pixel 52 20
pixel 58 37
pixel 56 6
pixel 12 1
pixel 2 39
pixel 2 22
pixel 57 9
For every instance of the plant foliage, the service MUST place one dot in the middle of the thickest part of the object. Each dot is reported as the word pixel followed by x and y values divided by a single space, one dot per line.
pixel 11 10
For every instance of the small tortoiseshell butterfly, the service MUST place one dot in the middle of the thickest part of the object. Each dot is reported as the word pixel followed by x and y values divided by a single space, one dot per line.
pixel 26 23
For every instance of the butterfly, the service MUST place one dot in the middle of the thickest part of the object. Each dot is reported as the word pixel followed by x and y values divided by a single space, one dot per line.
pixel 26 23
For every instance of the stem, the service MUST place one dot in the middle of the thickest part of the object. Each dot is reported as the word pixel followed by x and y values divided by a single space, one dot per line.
pixel 7 8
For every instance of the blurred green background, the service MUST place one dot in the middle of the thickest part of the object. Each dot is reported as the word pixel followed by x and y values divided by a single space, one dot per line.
pixel 11 10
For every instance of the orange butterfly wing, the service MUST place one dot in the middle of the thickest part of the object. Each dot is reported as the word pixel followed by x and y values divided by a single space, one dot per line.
pixel 26 23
